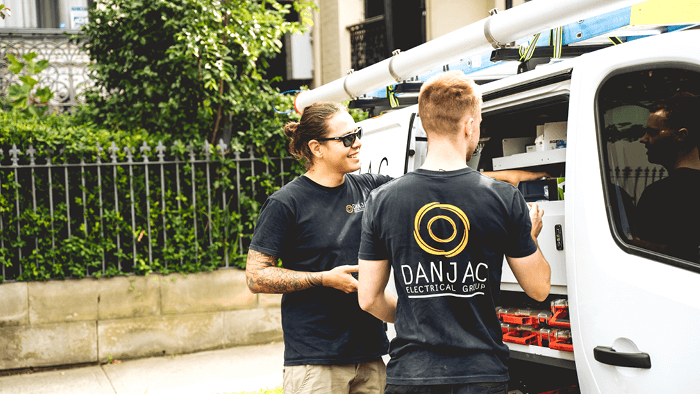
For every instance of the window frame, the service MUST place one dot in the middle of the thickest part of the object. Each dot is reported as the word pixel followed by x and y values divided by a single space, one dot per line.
pixel 604 165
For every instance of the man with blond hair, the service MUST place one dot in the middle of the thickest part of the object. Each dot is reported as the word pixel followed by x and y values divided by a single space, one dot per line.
pixel 445 229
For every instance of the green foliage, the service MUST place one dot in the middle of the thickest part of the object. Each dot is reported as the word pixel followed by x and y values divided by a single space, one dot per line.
pixel 54 132
pixel 192 227
pixel 190 67
pixel 163 71
pixel 28 96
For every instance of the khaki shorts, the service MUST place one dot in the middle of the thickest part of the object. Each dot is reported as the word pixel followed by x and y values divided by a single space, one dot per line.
pixel 361 378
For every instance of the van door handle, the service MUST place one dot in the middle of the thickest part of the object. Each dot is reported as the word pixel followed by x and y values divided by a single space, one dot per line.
pixel 608 355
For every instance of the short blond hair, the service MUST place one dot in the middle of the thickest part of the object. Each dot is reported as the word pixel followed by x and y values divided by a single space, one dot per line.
pixel 445 99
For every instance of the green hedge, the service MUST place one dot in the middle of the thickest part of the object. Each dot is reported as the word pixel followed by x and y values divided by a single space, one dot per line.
pixel 47 252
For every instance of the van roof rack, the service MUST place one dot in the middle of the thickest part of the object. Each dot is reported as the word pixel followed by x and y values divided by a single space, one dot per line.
pixel 576 39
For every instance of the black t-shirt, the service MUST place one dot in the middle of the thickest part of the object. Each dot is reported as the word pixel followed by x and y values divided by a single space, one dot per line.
pixel 447 279
pixel 316 228
pixel 668 213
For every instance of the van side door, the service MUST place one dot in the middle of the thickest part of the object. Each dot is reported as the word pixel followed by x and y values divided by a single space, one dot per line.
pixel 633 272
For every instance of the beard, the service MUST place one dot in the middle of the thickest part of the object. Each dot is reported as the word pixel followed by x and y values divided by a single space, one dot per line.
pixel 665 153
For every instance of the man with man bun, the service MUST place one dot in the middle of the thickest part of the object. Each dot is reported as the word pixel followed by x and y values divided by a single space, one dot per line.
pixel 313 225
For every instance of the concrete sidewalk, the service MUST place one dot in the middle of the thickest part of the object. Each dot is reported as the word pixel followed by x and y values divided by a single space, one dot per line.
pixel 233 370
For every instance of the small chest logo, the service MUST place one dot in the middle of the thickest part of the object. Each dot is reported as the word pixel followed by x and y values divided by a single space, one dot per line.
pixel 355 208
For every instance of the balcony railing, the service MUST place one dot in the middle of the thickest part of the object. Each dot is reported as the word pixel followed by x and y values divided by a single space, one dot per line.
pixel 368 42
pixel 67 74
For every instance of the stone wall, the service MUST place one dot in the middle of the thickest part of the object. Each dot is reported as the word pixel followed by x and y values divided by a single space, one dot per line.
pixel 95 320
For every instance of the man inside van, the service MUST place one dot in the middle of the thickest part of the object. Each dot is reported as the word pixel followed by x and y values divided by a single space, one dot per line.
pixel 668 213
pixel 445 229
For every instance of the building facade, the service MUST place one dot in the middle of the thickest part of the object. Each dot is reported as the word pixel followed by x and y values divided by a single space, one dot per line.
pixel 347 34
pixel 353 34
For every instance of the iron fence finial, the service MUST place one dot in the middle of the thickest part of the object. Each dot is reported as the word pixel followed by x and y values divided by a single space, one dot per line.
pixel 113 152
pixel 190 148
pixel 145 148
pixel 129 154
pixel 160 148
pixel 31 152
pixel 207 150
pixel 99 153
pixel 14 152
pixel 221 147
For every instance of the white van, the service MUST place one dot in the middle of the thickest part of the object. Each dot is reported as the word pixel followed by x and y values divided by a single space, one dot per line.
pixel 634 305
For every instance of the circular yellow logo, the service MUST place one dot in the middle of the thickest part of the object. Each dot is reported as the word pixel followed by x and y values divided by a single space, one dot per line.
pixel 451 208
pixel 349 209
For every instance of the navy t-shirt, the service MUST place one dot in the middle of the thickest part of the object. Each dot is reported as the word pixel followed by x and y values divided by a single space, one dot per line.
pixel 668 213
pixel 316 228
pixel 445 235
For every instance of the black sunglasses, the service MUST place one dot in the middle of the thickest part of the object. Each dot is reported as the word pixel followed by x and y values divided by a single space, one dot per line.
pixel 348 139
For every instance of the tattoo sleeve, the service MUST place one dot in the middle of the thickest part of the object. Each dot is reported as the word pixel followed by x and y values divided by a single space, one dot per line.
pixel 263 276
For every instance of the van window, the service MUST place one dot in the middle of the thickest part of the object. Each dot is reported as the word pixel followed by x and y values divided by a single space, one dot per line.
pixel 649 132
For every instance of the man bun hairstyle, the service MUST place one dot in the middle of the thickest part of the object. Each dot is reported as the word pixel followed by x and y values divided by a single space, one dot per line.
pixel 312 125
pixel 445 99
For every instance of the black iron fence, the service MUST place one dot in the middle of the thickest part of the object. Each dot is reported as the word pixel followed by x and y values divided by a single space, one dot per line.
pixel 111 211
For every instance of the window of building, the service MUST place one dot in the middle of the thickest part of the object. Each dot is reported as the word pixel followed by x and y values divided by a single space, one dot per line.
pixel 649 131
pixel 46 14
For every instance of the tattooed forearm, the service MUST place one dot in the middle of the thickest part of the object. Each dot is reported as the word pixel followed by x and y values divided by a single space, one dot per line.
pixel 263 276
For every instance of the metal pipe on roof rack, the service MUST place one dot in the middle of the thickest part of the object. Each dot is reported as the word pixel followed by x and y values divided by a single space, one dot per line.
pixel 492 32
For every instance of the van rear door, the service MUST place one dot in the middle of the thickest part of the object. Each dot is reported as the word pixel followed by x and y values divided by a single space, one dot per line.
pixel 632 258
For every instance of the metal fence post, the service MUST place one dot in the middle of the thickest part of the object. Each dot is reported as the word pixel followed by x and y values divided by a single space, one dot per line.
pixel 207 158
pixel 190 148
pixel 145 148
pixel 179 192
pixel 221 148
pixel 13 156
pixel 160 149
pixel 113 154
pixel 130 160
pixel 31 152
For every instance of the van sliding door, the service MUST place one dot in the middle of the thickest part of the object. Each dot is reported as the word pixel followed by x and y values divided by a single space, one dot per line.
pixel 633 181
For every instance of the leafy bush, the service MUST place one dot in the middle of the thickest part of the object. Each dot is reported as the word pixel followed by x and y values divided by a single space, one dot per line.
pixel 53 132
pixel 164 71
pixel 191 68
pixel 28 96
pixel 78 221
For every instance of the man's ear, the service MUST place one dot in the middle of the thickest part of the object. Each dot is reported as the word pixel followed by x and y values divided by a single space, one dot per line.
pixel 467 127
pixel 682 134
pixel 316 148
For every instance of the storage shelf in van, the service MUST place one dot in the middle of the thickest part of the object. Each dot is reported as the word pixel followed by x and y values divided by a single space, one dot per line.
pixel 530 159
pixel 553 216
pixel 542 355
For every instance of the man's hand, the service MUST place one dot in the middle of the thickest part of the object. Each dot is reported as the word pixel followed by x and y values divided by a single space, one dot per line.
pixel 341 278
pixel 533 272
pixel 536 214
